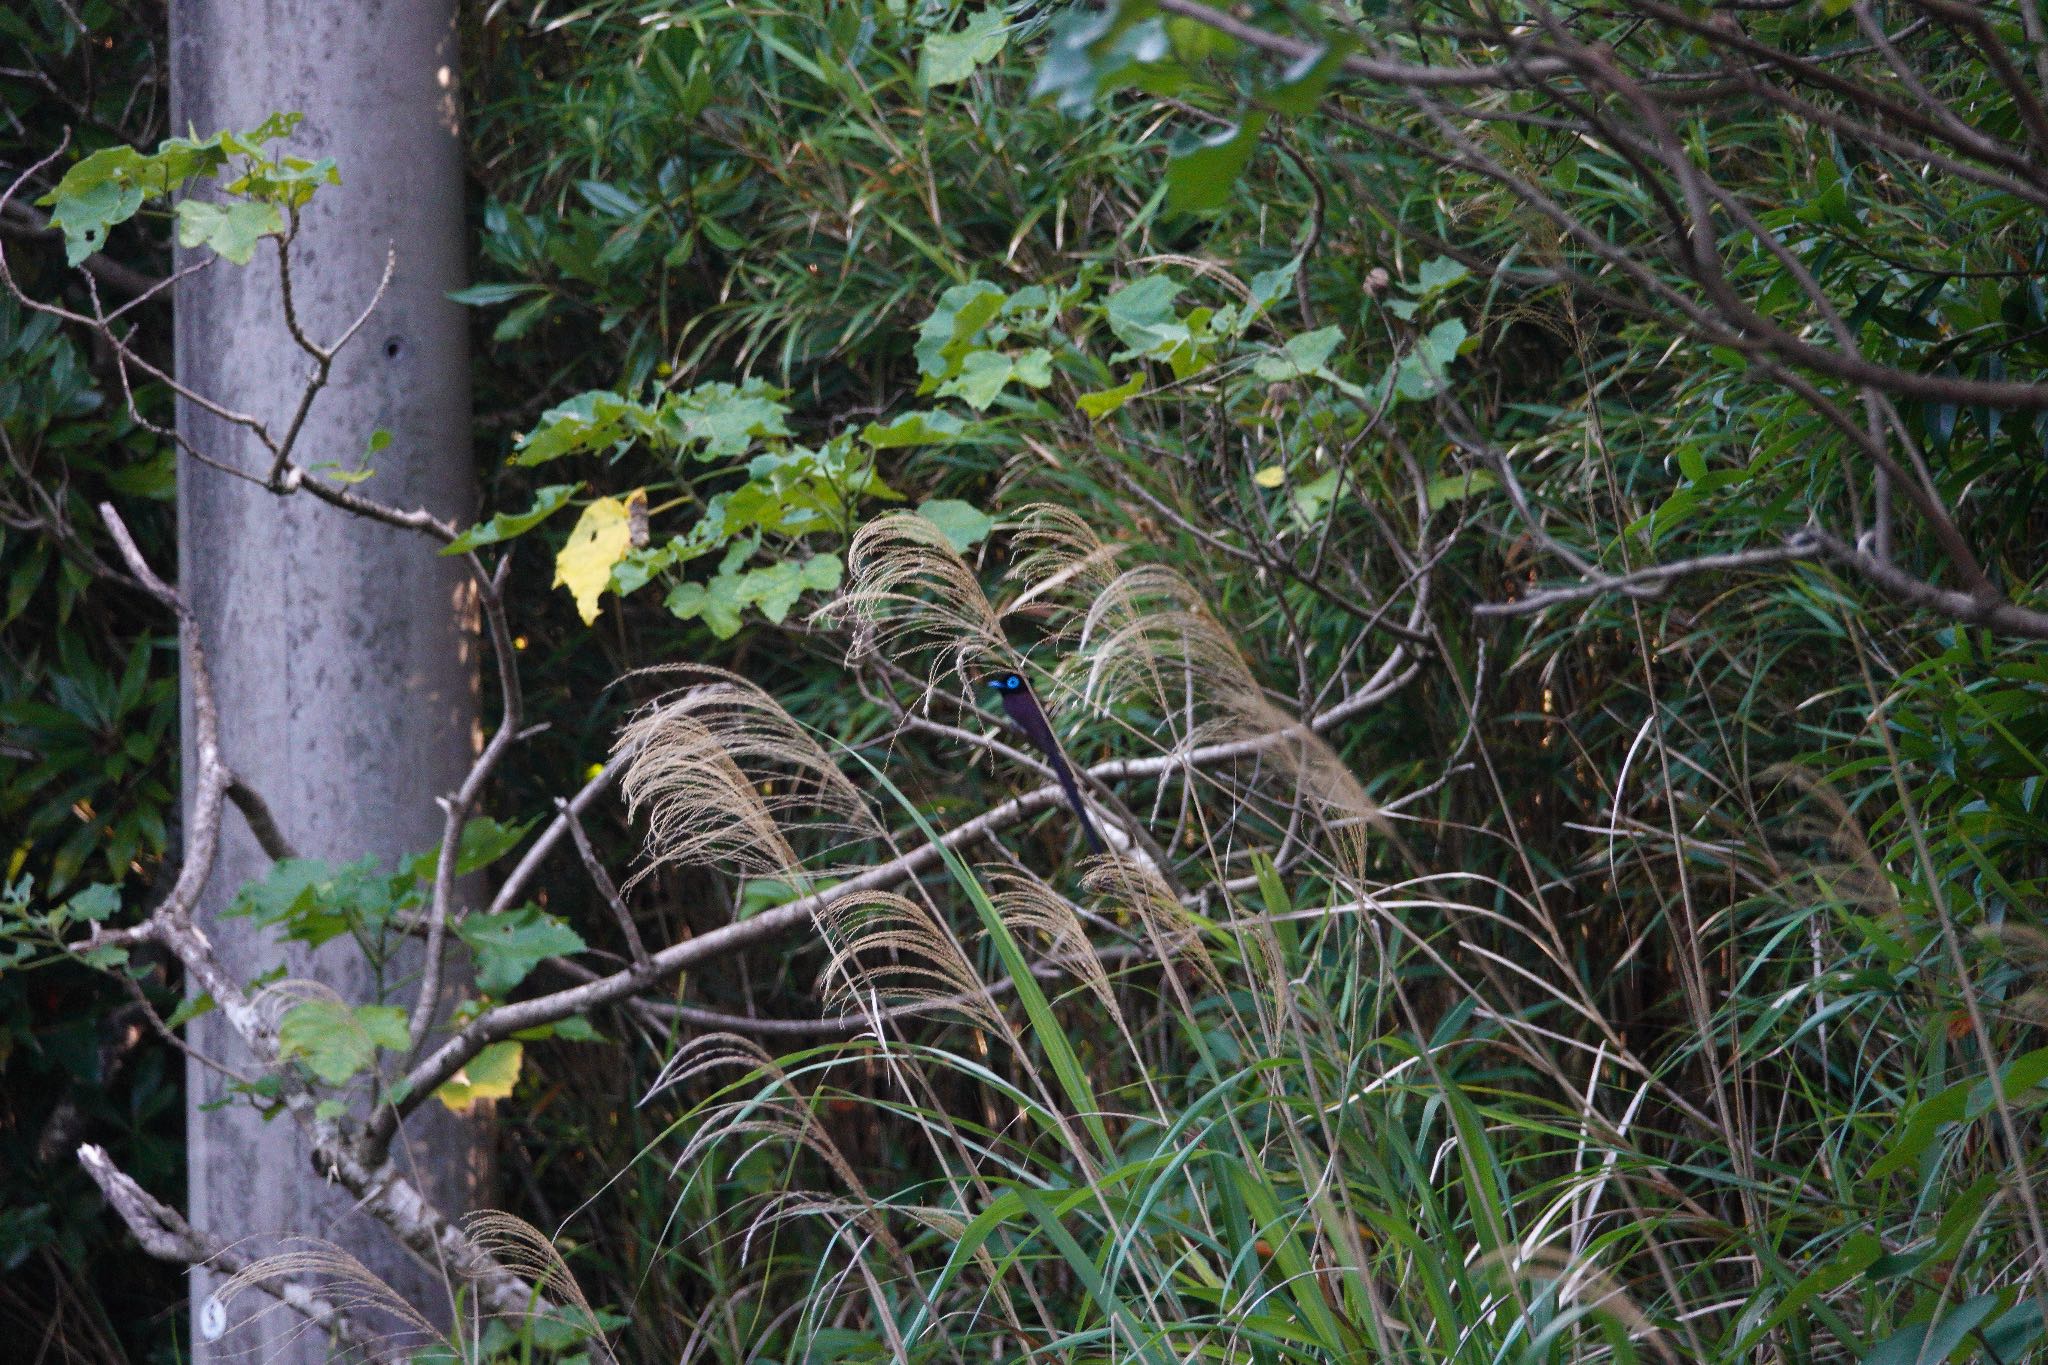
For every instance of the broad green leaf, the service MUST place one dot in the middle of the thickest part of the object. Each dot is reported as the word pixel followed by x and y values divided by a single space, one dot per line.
pixel 983 374
pixel 1272 476
pixel 1268 288
pixel 190 1008
pixel 1103 402
pixel 1305 354
pixel 725 419
pixel 1095 51
pixel 229 230
pixel 914 429
pixel 981 377
pixel 314 902
pixel 962 524
pixel 946 335
pixel 86 217
pixel 589 421
pixel 718 604
pixel 1201 171
pixel 96 903
pixel 286 180
pixel 483 841
pixel 1423 372
pixel 949 58
pixel 601 539
pixel 822 573
pixel 609 200
pixel 1302 84
pixel 1437 274
pixel 1450 488
pixel 520 320
pixel 774 588
pixel 336 1042
pixel 509 945
pixel 1142 317
pixel 490 1075
pixel 505 525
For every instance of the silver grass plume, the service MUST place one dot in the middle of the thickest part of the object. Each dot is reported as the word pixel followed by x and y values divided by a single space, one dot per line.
pixel 1174 933
pixel 340 1283
pixel 888 950
pixel 1055 554
pixel 1028 904
pixel 725 776
pixel 909 592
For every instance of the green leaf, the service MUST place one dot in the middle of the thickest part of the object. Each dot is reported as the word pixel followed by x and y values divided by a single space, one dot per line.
pixel 336 1042
pixel 85 218
pixel 726 419
pixel 1268 288
pixel 190 1008
pixel 1437 274
pixel 1305 354
pixel 574 1029
pixel 1423 372
pixel 983 374
pixel 1301 86
pixel 490 1075
pixel 1103 402
pixel 520 320
pixel 508 946
pixel 1201 171
pixel 589 421
pixel 774 589
pixel 1450 488
pixel 1929 1343
pixel 822 573
pixel 609 200
pixel 96 903
pixel 1142 317
pixel 962 524
pixel 946 335
pixel 949 58
pixel 914 429
pixel 484 295
pixel 230 230
pixel 314 902
pixel 718 604
pixel 1094 51
pixel 483 842
pixel 505 525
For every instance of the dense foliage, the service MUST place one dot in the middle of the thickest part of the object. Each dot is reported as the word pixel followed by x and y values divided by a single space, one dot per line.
pixel 1637 955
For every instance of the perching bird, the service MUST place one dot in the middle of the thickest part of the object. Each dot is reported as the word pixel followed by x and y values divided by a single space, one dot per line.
pixel 1023 708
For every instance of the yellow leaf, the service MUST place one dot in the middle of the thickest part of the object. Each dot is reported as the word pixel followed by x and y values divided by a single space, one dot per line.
pixel 1272 476
pixel 601 539
pixel 490 1075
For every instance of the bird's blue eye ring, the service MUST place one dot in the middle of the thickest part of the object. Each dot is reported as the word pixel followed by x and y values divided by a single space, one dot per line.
pixel 1008 682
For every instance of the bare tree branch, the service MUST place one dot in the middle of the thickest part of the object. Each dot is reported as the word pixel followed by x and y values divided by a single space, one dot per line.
pixel 165 1234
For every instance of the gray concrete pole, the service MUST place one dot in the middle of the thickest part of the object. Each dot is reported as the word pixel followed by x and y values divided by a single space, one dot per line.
pixel 344 653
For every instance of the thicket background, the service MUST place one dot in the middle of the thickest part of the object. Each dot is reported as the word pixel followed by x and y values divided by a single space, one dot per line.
pixel 1731 830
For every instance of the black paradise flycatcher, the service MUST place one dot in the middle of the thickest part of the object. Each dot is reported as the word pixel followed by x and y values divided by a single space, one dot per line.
pixel 1029 716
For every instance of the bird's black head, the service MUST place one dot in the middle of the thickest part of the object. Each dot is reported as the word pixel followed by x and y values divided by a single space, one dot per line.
pixel 1006 682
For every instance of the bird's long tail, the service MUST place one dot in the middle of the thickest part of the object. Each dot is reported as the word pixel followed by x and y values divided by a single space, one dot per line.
pixel 1066 777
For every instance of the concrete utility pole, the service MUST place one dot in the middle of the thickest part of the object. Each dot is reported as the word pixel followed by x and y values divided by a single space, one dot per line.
pixel 344 653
